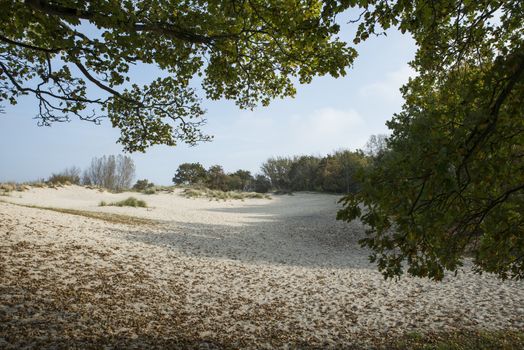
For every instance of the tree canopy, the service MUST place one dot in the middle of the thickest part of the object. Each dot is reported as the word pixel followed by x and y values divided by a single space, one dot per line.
pixel 190 174
pixel 75 58
pixel 451 181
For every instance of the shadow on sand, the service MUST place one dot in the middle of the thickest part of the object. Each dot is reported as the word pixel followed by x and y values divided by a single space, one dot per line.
pixel 286 232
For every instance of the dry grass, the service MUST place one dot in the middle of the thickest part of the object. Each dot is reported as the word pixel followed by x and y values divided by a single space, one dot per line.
pixel 464 340
pixel 8 187
pixel 108 217
pixel 128 202
pixel 221 195
pixel 11 187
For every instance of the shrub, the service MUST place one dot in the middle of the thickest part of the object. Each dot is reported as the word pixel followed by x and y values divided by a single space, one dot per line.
pixel 128 202
pixel 10 187
pixel 261 184
pixel 191 192
pixel 7 187
pixel 57 179
pixel 66 177
pixel 221 195
pixel 142 185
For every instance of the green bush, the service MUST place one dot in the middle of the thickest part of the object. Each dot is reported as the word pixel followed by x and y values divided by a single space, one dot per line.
pixel 261 184
pixel 129 202
pixel 150 190
pixel 221 195
pixel 143 185
pixel 66 177
pixel 57 179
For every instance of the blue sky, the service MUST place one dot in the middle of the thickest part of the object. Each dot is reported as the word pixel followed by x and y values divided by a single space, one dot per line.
pixel 326 115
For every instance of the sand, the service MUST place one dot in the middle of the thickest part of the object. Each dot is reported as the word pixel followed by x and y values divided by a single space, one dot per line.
pixel 257 273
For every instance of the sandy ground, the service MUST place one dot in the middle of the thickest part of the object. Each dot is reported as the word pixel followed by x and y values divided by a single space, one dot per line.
pixel 254 274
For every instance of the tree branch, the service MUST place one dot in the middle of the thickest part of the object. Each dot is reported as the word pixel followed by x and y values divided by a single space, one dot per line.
pixel 27 46
pixel 61 11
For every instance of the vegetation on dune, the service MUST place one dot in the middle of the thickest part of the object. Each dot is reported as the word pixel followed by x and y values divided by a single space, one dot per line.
pixel 143 184
pixel 114 173
pixel 69 176
pixel 128 202
pixel 334 173
pixel 214 178
pixel 221 195
pixel 7 188
pixel 463 340
pixel 11 186
pixel 109 217
pixel 190 174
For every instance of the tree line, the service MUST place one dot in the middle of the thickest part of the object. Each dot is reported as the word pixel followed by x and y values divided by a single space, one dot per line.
pixel 335 173
pixel 116 173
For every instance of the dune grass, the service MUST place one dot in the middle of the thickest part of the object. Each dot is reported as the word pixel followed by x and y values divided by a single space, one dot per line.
pixel 108 217
pixel 462 340
pixel 128 202
pixel 221 195
pixel 151 190
pixel 12 187
pixel 9 187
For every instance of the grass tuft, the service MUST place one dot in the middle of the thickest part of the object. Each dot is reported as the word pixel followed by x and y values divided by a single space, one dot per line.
pixel 128 202
pixel 150 190
pixel 461 340
pixel 108 217
pixel 221 195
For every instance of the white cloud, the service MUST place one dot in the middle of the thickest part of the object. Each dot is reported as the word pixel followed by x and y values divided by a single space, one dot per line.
pixel 324 130
pixel 387 90
pixel 319 132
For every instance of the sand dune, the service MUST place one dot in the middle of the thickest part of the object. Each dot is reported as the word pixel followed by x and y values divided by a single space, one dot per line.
pixel 254 274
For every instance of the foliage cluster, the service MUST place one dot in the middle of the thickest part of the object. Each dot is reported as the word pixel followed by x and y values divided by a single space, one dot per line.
pixel 69 176
pixel 452 180
pixel 334 173
pixel 115 173
pixel 145 187
pixel 142 185
pixel 128 202
pixel 221 195
pixel 250 52
pixel 215 178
